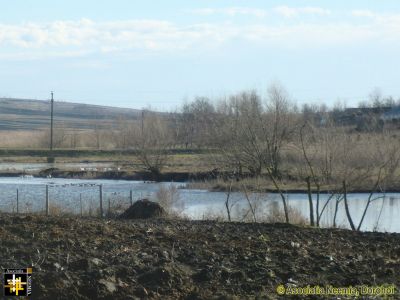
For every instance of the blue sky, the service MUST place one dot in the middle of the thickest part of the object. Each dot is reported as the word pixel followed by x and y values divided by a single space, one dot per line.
pixel 160 53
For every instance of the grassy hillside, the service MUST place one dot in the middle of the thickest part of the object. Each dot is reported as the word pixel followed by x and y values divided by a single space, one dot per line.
pixel 26 114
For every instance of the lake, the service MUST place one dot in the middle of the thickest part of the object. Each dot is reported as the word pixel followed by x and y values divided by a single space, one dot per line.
pixel 68 194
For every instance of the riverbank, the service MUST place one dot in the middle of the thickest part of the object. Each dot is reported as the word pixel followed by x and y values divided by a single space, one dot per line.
pixel 194 167
pixel 208 180
pixel 112 175
pixel 194 180
pixel 83 258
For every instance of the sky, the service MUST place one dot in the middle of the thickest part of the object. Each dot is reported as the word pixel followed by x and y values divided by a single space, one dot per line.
pixel 160 53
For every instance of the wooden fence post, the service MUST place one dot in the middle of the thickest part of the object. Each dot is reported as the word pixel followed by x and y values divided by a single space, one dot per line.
pixel 17 202
pixel 101 200
pixel 80 202
pixel 47 200
pixel 131 197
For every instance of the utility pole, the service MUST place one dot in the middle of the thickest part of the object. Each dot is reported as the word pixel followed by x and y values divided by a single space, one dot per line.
pixel 51 122
pixel 142 133
pixel 142 121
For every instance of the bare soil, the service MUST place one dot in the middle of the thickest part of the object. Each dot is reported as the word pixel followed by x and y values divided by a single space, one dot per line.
pixel 85 258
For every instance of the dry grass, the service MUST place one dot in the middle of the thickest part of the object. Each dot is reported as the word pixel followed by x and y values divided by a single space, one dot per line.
pixel 59 210
pixel 212 215
pixel 276 215
pixel 116 205
pixel 63 138
pixel 20 139
pixel 169 199
pixel 189 163
pixel 260 184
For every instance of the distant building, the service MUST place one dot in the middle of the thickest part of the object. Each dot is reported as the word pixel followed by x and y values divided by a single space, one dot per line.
pixel 392 115
pixel 353 116
pixel 363 119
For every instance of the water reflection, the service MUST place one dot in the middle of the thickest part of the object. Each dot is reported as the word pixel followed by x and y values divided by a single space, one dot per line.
pixel 71 194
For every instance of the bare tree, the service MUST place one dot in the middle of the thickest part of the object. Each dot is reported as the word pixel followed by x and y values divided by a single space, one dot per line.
pixel 384 161
pixel 375 97
pixel 253 134
pixel 279 126
pixel 152 140
pixel 126 133
pixel 196 123
pixel 228 204
pixel 60 136
pixel 97 133
pixel 186 125
pixel 75 137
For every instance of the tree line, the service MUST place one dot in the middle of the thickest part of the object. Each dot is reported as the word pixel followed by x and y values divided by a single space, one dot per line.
pixel 248 135
pixel 254 136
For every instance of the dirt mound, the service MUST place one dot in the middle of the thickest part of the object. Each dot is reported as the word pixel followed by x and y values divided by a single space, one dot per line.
pixel 143 209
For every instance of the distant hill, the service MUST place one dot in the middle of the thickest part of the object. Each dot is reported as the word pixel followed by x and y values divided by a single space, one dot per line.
pixel 27 114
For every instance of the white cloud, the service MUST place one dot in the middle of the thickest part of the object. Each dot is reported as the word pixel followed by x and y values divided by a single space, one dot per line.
pixel 86 37
pixel 151 34
pixel 232 11
pixel 290 12
pixel 363 13
pixel 204 11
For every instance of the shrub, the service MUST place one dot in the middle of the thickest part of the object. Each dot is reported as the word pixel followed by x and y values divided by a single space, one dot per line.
pixel 169 199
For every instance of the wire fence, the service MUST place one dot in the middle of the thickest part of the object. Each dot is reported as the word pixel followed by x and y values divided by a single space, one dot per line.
pixel 71 199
